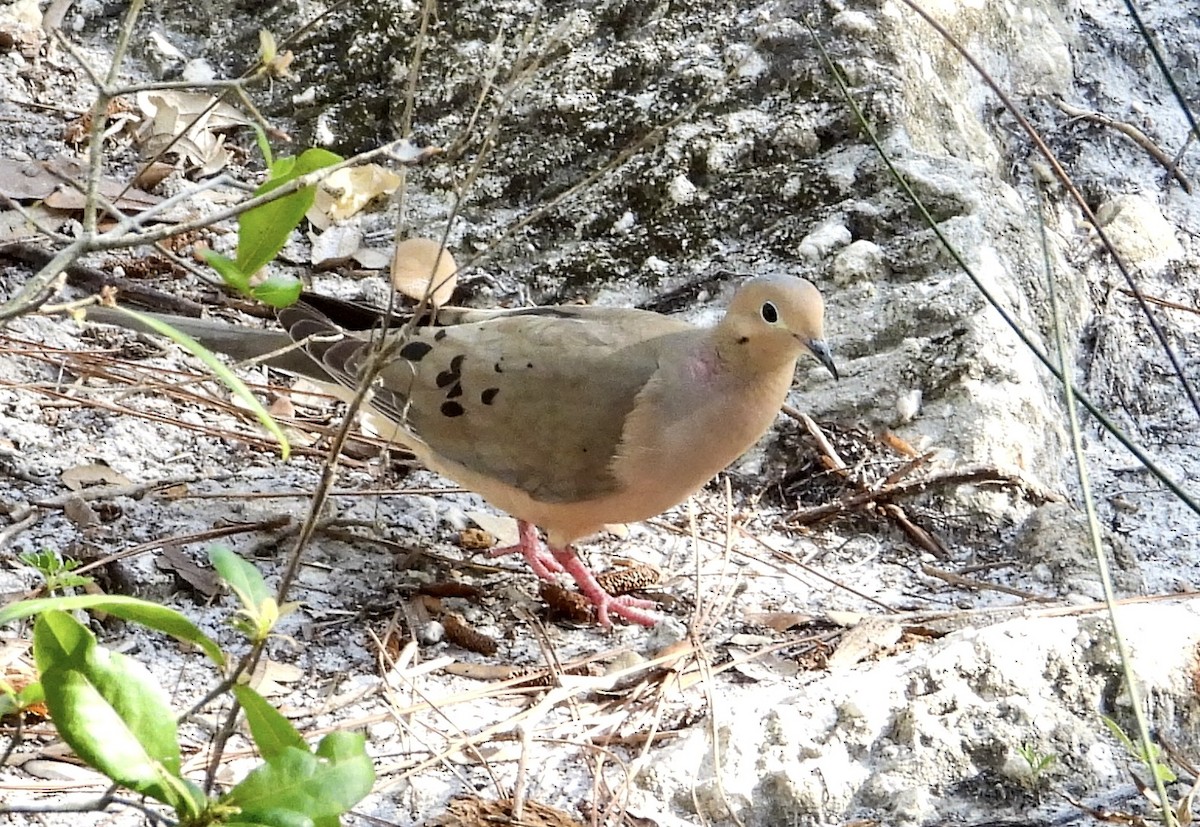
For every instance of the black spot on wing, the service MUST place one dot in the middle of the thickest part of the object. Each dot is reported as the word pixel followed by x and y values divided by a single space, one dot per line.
pixel 451 375
pixel 441 334
pixel 452 409
pixel 415 351
pixel 455 391
pixel 489 396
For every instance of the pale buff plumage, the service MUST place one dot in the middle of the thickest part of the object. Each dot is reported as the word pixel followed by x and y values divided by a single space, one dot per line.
pixel 572 417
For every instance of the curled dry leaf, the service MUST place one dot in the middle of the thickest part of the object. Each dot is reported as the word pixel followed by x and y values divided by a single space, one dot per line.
pixel 172 113
pixel 347 191
pixel 423 267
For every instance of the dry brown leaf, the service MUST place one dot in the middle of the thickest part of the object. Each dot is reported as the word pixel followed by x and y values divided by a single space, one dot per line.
pixel 153 175
pixel 175 561
pixel 188 105
pixel 80 513
pixel 270 677
pixel 177 123
pixel 778 621
pixel 421 265
pixel 47 182
pixel 282 406
pixel 96 473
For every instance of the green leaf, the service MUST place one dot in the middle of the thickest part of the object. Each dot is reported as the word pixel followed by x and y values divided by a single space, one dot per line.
pixel 148 614
pixel 220 369
pixel 264 230
pixel 260 612
pixel 279 290
pixel 276 818
pixel 296 782
pixel 272 732
pixel 109 710
pixel 13 702
pixel 264 146
pixel 228 270
pixel 58 637
pixel 280 171
pixel 241 576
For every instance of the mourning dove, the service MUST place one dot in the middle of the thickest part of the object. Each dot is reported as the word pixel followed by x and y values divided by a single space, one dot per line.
pixel 566 417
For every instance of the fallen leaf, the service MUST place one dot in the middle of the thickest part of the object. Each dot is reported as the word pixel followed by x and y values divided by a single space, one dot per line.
pixel 80 513
pixel 270 677
pixel 204 581
pixel 281 406
pixel 779 621
pixel 347 191
pixel 96 473
pixel 153 175
pixel 186 124
pixel 422 267
pixel 335 247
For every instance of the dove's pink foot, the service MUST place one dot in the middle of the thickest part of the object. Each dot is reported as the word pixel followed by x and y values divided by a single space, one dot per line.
pixel 627 607
pixel 546 562
pixel 531 547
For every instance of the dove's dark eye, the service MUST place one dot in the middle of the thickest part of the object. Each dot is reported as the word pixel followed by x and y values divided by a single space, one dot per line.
pixel 770 313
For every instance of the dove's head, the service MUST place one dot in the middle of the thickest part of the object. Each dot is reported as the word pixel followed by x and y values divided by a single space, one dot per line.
pixel 775 318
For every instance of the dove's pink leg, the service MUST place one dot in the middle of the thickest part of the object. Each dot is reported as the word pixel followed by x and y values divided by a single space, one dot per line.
pixel 531 547
pixel 627 607
pixel 546 562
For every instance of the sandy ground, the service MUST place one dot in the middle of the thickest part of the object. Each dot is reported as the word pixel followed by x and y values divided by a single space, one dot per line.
pixel 802 673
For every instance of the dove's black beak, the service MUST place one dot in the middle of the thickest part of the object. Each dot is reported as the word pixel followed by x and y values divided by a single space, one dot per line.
pixel 823 354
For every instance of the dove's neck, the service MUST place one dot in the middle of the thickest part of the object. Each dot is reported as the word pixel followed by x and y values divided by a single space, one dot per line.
pixel 740 358
pixel 741 387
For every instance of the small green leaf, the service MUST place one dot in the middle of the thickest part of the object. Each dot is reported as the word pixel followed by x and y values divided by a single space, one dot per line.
pixel 275 818
pixel 55 571
pixel 221 370
pixel 319 787
pixel 264 146
pixel 272 732
pixel 58 637
pixel 245 580
pixel 132 609
pixel 278 290
pixel 12 702
pixel 260 612
pixel 280 171
pixel 264 230
pixel 109 710
pixel 228 270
